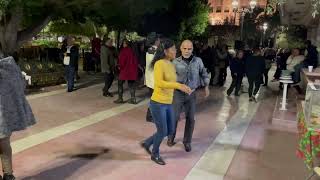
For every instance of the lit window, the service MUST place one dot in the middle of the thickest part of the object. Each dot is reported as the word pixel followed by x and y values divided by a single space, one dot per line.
pixel 218 10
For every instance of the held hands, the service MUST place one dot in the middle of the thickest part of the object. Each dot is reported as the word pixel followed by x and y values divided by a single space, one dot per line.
pixel 186 89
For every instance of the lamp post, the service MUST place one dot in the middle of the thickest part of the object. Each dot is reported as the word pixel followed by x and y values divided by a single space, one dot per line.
pixel 264 28
pixel 243 12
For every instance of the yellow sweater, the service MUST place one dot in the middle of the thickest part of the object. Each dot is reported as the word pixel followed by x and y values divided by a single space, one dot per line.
pixel 164 82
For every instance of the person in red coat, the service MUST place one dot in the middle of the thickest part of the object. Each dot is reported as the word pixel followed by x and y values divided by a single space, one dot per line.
pixel 128 71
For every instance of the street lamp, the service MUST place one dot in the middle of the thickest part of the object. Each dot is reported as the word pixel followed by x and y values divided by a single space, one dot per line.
pixel 243 11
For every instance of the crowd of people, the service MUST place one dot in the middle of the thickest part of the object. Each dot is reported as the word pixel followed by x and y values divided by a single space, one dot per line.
pixel 172 81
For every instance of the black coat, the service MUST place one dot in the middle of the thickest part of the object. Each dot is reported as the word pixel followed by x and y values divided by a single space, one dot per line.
pixel 74 55
pixel 255 66
pixel 207 57
pixel 312 57
pixel 237 66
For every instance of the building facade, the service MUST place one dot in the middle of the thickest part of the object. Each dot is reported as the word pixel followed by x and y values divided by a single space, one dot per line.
pixel 223 13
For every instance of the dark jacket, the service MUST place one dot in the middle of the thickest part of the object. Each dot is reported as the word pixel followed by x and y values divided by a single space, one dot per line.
pixel 312 57
pixel 255 66
pixel 74 55
pixel 108 60
pixel 222 58
pixel 207 57
pixel 237 66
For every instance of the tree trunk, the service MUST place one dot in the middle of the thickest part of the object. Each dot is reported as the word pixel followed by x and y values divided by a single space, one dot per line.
pixel 9 32
pixel 11 38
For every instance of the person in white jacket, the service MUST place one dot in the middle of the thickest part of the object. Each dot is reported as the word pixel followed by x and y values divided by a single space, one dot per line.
pixel 149 78
pixel 295 64
pixel 294 59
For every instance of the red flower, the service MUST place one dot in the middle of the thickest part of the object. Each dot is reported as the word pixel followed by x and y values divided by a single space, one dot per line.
pixel 300 154
pixel 314 138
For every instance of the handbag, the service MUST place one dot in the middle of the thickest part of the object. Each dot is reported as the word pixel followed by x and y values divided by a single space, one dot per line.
pixel 66 60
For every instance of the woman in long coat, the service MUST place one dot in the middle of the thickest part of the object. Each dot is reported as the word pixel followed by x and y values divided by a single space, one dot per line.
pixel 128 71
pixel 15 112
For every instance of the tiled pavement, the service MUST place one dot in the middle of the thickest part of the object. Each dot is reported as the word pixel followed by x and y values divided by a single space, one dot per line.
pixel 83 135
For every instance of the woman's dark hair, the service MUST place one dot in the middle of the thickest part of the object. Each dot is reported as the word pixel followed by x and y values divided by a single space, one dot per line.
pixel 127 42
pixel 165 44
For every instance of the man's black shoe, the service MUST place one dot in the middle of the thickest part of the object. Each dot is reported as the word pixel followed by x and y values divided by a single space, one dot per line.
pixel 133 101
pixel 187 147
pixel 158 160
pixel 8 177
pixel 107 94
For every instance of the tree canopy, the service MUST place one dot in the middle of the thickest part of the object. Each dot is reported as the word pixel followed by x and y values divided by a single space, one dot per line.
pixel 181 20
pixel 20 20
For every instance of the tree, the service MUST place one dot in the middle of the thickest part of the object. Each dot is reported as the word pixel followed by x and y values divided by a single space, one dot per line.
pixel 180 20
pixel 195 19
pixel 89 28
pixel 20 20
pixel 292 36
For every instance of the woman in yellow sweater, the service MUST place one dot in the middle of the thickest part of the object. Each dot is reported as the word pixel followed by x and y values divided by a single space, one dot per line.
pixel 161 100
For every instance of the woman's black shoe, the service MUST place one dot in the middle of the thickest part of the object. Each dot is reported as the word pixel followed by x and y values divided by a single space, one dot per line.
pixel 107 94
pixel 133 101
pixel 187 147
pixel 158 160
pixel 170 142
pixel 144 146
pixel 8 177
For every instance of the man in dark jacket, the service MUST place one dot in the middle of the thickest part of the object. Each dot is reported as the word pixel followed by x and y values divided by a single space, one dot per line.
pixel 108 61
pixel 72 53
pixel 237 68
pixel 207 56
pixel 255 66
pixel 312 56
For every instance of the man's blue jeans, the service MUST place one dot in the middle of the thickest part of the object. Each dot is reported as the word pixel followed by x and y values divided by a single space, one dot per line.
pixel 296 74
pixel 163 118
pixel 70 73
